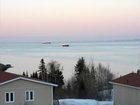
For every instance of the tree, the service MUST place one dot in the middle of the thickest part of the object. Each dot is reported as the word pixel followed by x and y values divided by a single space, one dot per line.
pixel 81 74
pixel 80 66
pixel 92 83
pixel 55 73
pixel 103 77
pixel 42 71
pixel 23 74
pixel 71 88
pixel 34 75
pixel 55 76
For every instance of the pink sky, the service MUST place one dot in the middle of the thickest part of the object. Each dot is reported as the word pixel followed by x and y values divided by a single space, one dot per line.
pixel 69 18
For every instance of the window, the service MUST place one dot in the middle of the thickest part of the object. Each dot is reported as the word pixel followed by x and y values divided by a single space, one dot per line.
pixel 9 97
pixel 29 96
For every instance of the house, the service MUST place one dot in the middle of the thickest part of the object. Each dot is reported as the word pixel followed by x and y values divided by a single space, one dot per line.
pixel 18 90
pixel 126 89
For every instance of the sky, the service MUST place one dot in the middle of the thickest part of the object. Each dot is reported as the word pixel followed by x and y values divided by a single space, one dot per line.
pixel 69 19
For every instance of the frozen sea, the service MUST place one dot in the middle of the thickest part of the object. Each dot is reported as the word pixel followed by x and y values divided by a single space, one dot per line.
pixel 121 56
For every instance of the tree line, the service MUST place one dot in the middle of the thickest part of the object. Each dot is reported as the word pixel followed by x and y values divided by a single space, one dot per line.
pixel 52 72
pixel 88 82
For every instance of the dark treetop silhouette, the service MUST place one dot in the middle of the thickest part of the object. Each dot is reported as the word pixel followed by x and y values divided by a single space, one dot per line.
pixel 4 67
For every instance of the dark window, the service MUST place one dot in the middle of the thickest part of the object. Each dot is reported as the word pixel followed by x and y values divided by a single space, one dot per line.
pixel 9 97
pixel 29 96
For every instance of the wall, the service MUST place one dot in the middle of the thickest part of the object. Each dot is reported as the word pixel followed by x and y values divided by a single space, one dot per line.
pixel 43 93
pixel 125 95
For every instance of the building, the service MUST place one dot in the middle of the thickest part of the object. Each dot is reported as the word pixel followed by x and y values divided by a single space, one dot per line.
pixel 18 90
pixel 126 89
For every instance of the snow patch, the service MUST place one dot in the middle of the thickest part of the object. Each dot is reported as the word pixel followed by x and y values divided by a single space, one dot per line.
pixel 84 102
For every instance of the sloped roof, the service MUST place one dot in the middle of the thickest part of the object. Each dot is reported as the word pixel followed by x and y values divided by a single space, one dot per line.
pixel 6 77
pixel 132 79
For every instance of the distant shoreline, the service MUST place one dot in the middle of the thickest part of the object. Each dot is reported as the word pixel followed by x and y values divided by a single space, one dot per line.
pixel 86 41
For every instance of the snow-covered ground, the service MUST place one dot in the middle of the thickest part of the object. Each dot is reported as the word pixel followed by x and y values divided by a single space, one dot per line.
pixel 83 102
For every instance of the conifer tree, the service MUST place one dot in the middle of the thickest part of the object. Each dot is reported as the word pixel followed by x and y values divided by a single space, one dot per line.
pixel 80 66
pixel 55 73
pixel 34 75
pixel 42 71
pixel 92 87
pixel 80 71
pixel 23 73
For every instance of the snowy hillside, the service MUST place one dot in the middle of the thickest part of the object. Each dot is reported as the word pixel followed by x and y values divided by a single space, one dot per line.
pixel 84 102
